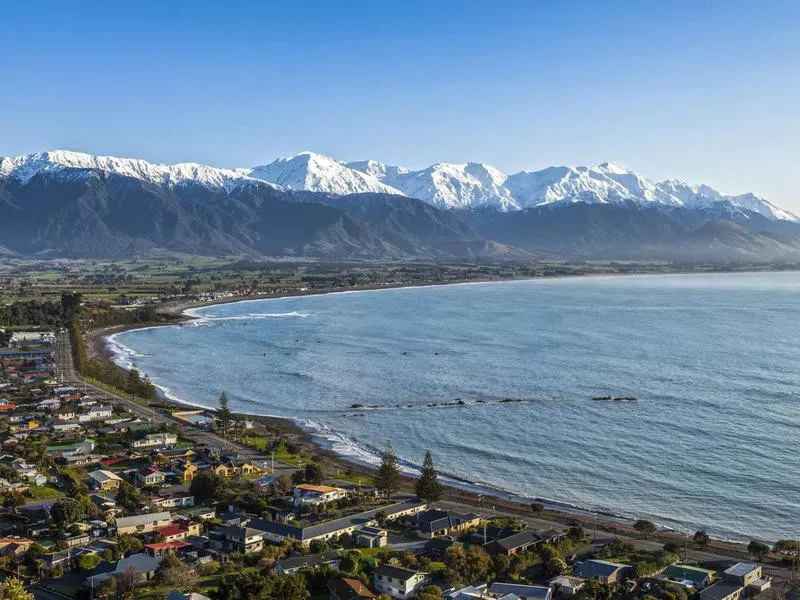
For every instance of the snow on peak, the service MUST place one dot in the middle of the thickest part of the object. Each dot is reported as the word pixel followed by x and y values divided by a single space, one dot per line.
pixel 444 185
pixel 319 173
pixel 64 163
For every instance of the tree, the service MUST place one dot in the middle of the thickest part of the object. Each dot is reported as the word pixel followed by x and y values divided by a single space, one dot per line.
pixel 537 507
pixel 204 485
pixel 12 589
pixel 128 497
pixel 130 544
pixel 701 538
pixel 224 415
pixel 430 592
pixel 176 575
pixel 387 480
pixel 108 588
pixel 66 511
pixel 556 566
pixel 575 533
pixel 87 562
pixel 127 580
pixel 313 473
pixel 645 527
pixel 134 382
pixel 427 486
pixel 12 500
pixel 789 549
pixel 757 549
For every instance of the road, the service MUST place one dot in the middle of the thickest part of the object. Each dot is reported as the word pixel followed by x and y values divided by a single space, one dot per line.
pixel 69 376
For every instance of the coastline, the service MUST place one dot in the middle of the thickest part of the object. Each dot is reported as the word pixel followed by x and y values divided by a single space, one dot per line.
pixel 322 446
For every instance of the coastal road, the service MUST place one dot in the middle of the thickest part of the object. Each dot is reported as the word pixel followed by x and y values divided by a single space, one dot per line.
pixel 69 376
pixel 713 556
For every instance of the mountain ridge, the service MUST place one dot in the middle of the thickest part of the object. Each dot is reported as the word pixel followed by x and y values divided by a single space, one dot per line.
pixel 444 185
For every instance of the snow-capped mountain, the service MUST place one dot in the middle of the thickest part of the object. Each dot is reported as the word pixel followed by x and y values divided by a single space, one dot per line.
pixel 317 173
pixel 475 185
pixel 63 163
pixel 443 185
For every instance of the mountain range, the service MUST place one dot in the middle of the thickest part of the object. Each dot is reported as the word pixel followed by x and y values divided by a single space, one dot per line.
pixel 63 203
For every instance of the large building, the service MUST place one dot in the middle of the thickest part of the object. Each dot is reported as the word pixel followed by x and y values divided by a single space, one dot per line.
pixel 397 582
pixel 142 523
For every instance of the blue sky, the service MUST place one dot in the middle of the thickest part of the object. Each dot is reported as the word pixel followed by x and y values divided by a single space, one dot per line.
pixel 703 91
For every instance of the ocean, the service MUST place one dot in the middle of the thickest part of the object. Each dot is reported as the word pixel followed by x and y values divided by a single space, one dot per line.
pixel 499 381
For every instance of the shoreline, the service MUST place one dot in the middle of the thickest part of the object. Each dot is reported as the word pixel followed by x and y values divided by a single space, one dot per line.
pixel 319 443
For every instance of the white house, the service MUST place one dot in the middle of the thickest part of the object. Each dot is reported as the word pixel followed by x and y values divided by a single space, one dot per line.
pixel 155 440
pixel 397 582
pixel 307 494
pixel 96 413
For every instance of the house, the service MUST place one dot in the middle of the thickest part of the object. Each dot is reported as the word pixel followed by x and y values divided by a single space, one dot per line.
pixel 311 495
pixel 739 580
pixel 722 590
pixel 434 523
pixel 184 469
pixel 155 440
pixel 161 549
pixel 176 595
pixel 277 532
pixel 345 588
pixel 566 585
pixel 236 538
pixel 142 564
pixel 142 523
pixel 371 537
pixel 523 592
pixel 240 466
pixel 397 582
pixel 149 476
pixel 470 592
pixel 104 480
pixel 14 546
pixel 436 547
pixel 688 575
pixel 202 514
pixel 516 543
pixel 98 412
pixel 178 531
pixel 294 564
pixel 173 501
pixel 601 570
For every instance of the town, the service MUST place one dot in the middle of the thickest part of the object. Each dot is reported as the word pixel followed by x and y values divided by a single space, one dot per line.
pixel 107 494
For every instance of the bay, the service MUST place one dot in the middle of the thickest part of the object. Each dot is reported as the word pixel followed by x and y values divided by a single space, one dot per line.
pixel 712 359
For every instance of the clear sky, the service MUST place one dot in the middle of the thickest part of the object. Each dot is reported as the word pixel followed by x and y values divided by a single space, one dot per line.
pixel 703 91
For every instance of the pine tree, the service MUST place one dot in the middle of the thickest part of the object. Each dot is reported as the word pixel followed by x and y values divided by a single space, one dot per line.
pixel 427 486
pixel 388 478
pixel 224 415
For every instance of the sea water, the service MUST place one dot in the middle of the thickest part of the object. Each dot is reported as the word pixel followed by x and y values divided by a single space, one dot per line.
pixel 499 380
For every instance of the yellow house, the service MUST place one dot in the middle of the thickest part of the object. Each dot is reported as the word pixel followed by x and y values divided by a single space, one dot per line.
pixel 221 470
pixel 188 470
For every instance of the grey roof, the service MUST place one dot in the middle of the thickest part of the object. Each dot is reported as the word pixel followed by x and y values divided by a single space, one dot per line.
pixel 141 562
pixel 329 527
pixel 436 520
pixel 519 590
pixel 142 519
pixel 597 568
pixel 308 561
pixel 395 572
pixel 741 569
pixel 719 590
pixel 519 540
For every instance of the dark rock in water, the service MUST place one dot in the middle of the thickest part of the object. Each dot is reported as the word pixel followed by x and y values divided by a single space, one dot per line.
pixel 356 405
pixel 616 398
pixel 511 400
pixel 480 401
pixel 405 353
pixel 461 403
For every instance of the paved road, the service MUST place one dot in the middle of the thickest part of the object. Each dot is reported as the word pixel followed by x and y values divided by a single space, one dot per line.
pixel 68 375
